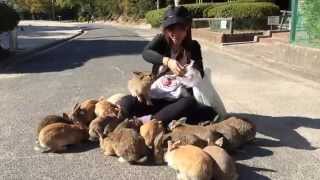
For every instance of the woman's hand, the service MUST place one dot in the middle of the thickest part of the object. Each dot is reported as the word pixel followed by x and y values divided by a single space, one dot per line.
pixel 174 66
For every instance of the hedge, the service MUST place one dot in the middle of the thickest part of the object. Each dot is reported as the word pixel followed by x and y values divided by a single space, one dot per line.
pixel 246 15
pixel 155 17
pixel 9 18
pixel 254 0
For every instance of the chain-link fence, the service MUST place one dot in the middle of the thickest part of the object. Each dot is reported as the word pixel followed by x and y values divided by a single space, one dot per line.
pixel 305 25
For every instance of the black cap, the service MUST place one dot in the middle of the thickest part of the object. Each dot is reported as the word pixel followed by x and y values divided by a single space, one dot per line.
pixel 175 15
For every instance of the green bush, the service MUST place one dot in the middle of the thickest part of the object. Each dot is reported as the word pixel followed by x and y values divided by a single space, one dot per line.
pixel 254 1
pixel 137 8
pixel 155 17
pixel 246 15
pixel 9 18
pixel 200 10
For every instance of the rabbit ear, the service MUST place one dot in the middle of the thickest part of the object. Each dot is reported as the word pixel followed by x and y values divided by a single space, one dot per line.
pixel 219 142
pixel 183 120
pixel 101 98
pixel 204 123
pixel 158 139
pixel 137 73
pixel 172 124
pixel 65 116
pixel 174 145
pixel 159 122
pixel 76 107
pixel 170 145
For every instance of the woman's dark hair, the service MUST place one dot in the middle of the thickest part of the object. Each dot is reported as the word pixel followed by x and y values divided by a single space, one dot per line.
pixel 186 43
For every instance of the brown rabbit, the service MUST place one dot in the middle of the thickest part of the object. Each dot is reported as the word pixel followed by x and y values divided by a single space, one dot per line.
pixel 159 147
pixel 186 139
pixel 133 123
pixel 139 86
pixel 204 133
pixel 50 119
pixel 125 143
pixel 232 138
pixel 114 99
pixel 189 161
pixel 84 112
pixel 150 130
pixel 245 128
pixel 102 125
pixel 55 137
pixel 104 108
pixel 224 166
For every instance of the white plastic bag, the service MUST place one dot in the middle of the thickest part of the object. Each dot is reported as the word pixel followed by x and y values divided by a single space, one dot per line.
pixel 172 87
pixel 205 93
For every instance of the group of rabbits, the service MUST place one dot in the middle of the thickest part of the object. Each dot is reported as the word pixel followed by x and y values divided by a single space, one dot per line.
pixel 199 152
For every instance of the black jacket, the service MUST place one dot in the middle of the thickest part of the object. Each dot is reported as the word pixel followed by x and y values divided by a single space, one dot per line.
pixel 159 48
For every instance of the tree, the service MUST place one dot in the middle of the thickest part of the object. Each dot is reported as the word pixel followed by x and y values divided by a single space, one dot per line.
pixel 34 6
pixel 9 18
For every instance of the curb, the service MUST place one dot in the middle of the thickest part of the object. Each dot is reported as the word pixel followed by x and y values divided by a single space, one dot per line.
pixel 283 70
pixel 26 55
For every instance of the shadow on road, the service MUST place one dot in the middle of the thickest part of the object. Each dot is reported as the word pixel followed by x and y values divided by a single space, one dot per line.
pixel 76 53
pixel 246 172
pixel 82 147
pixel 283 130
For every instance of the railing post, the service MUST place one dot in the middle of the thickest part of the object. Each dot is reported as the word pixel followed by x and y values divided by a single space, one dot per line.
pixel 13 40
pixel 294 19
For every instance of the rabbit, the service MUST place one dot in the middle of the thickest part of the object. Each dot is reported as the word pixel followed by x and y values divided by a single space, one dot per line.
pixel 104 108
pixel 102 125
pixel 133 123
pixel 232 138
pixel 245 128
pixel 125 143
pixel 224 167
pixel 186 139
pixel 190 162
pixel 159 148
pixel 84 112
pixel 50 119
pixel 150 130
pixel 114 99
pixel 139 86
pixel 204 133
pixel 55 137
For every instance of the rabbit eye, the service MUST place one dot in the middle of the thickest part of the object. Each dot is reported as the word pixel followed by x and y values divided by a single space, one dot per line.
pixel 81 112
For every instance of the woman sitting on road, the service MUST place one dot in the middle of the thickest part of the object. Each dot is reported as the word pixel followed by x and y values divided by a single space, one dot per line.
pixel 170 52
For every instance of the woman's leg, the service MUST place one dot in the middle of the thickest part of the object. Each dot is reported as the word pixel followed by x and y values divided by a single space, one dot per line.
pixel 201 113
pixel 175 110
pixel 132 107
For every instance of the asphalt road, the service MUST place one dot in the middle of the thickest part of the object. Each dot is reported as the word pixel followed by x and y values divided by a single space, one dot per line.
pixel 99 63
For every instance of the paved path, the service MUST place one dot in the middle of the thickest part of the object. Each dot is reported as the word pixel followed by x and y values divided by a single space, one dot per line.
pixel 99 63
pixel 32 34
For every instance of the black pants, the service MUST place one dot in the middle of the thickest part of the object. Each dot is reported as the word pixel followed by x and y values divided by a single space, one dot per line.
pixel 167 111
